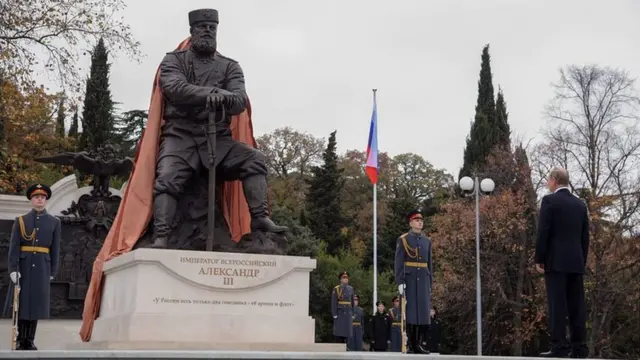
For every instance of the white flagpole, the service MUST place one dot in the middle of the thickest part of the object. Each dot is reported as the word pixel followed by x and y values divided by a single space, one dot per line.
pixel 375 225
pixel 375 247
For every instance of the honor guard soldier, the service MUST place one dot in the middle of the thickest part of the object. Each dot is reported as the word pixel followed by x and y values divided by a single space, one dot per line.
pixel 396 328
pixel 413 274
pixel 355 341
pixel 380 328
pixel 34 252
pixel 342 308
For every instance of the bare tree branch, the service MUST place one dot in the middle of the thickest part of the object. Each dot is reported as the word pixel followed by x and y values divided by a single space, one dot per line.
pixel 58 30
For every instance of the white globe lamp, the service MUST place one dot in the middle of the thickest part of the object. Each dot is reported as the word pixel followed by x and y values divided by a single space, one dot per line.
pixel 466 183
pixel 487 185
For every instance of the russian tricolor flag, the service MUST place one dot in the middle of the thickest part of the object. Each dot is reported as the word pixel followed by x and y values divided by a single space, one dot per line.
pixel 372 147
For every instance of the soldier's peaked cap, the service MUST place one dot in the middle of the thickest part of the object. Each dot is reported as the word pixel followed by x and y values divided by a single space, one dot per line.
pixel 38 189
pixel 344 273
pixel 414 214
pixel 379 302
pixel 201 15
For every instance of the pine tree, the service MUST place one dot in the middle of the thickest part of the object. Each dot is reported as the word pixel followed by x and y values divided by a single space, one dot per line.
pixel 60 131
pixel 97 116
pixel 73 129
pixel 324 210
pixel 129 128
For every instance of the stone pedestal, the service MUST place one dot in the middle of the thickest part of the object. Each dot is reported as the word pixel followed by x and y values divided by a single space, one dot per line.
pixel 153 296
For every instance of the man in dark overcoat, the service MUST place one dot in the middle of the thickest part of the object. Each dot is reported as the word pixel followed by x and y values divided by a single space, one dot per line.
pixel 561 254
pixel 380 328
pixel 355 340
pixel 342 308
pixel 396 326
pixel 34 255
pixel 413 274
pixel 194 82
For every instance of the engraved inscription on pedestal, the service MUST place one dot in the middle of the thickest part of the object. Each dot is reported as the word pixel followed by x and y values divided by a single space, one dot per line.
pixel 177 295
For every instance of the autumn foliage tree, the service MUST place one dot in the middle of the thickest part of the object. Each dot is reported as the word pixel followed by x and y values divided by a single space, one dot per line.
pixel 30 132
pixel 512 302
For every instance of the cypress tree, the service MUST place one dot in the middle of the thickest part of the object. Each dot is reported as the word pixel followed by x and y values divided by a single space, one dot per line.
pixel 2 113
pixel 97 116
pixel 502 121
pixel 486 97
pixel 60 131
pixel 485 131
pixel 73 129
pixel 324 208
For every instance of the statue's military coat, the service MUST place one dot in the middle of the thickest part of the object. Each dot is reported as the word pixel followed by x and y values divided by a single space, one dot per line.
pixel 414 268
pixel 37 261
pixel 355 341
pixel 342 310
pixel 396 329
pixel 187 81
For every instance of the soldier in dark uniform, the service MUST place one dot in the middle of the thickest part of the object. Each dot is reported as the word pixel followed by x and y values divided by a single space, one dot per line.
pixel 355 340
pixel 342 308
pixel 191 80
pixel 413 274
pixel 396 325
pixel 34 254
pixel 380 328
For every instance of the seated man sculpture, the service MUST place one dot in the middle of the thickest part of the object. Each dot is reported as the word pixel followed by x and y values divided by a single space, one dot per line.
pixel 195 81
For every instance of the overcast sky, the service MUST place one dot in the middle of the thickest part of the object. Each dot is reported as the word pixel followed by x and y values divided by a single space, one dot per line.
pixel 312 64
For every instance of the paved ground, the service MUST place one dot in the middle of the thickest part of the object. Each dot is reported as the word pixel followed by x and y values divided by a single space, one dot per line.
pixel 51 334
pixel 231 355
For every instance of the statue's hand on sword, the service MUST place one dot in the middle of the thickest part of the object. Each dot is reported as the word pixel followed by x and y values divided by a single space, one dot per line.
pixel 221 97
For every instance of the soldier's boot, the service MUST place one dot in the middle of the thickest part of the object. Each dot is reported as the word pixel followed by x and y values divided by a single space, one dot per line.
pixel 165 207
pixel 412 347
pixel 31 335
pixel 255 190
pixel 423 333
pixel 21 340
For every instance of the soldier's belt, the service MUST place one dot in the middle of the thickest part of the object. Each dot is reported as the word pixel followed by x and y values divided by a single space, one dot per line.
pixel 39 249
pixel 416 264
pixel 396 323
pixel 356 324
pixel 344 302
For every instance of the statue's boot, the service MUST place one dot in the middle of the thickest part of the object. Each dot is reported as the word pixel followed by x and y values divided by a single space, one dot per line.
pixel 165 207
pixel 255 190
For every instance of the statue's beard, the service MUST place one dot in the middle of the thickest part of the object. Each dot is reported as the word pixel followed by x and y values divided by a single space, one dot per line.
pixel 203 46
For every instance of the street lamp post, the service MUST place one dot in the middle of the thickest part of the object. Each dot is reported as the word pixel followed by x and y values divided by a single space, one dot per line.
pixel 477 188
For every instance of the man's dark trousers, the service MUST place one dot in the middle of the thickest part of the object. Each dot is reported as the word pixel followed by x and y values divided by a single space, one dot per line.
pixel 565 293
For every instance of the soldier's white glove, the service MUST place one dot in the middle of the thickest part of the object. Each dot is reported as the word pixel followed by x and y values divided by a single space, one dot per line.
pixel 401 289
pixel 335 317
pixel 50 277
pixel 15 276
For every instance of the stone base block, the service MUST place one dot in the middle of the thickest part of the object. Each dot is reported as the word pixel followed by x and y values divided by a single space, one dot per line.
pixel 153 296
pixel 204 328
pixel 192 345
